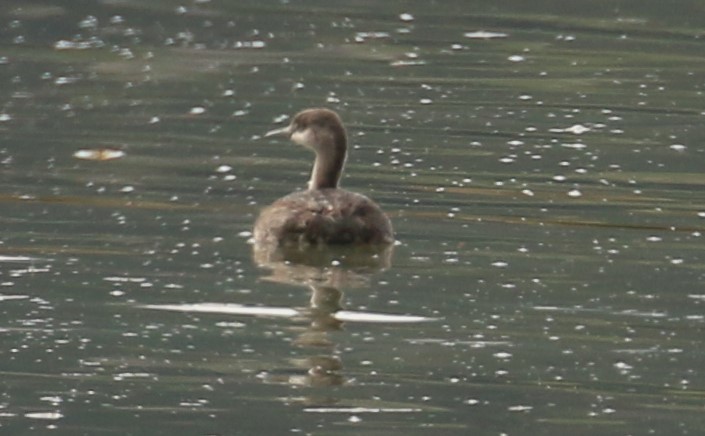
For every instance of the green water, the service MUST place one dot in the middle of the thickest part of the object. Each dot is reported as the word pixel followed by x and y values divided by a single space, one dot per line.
pixel 544 179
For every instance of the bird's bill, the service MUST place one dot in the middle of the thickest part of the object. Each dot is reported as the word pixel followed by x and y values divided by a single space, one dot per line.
pixel 284 131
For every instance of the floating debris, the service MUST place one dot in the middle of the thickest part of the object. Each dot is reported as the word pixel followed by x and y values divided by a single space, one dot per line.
pixel 99 154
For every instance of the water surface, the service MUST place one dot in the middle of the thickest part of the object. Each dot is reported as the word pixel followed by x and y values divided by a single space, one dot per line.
pixel 542 166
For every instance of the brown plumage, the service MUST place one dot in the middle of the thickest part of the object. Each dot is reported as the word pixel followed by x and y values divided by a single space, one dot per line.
pixel 325 213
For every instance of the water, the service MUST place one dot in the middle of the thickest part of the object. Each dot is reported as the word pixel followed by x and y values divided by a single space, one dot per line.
pixel 542 166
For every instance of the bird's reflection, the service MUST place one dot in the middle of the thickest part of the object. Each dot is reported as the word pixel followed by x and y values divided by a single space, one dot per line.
pixel 326 271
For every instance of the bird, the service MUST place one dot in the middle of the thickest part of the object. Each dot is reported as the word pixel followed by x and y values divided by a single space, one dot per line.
pixel 324 214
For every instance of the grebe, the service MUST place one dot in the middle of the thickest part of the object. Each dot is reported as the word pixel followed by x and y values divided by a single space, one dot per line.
pixel 324 213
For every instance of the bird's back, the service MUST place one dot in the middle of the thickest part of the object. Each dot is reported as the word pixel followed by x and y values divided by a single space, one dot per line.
pixel 323 216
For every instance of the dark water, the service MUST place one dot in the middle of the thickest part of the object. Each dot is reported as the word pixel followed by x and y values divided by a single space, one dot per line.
pixel 541 161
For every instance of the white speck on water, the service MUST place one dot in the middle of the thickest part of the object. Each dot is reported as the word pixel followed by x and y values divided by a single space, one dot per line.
pixel 472 402
pixel 577 129
pixel 44 415
pixel 65 80
pixel 676 261
pixel 90 22
pixel 127 189
pixel 125 279
pixel 4 118
pixel 224 169
pixel 425 101
pixel 500 264
pixel 528 192
pixel 52 399
pixel 406 17
pixel 516 58
pixel 249 44
pixel 482 34
pixel 701 214
pixel 678 147
pixel 99 154
pixel 575 193
pixel 281 118
pixel 576 145
pixel 519 408
pixel 654 239
pixel 197 110
pixel 363 36
pixel 502 355
pixel 623 366
pixel 559 178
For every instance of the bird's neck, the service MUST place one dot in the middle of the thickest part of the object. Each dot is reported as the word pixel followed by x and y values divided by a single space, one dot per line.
pixel 328 166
